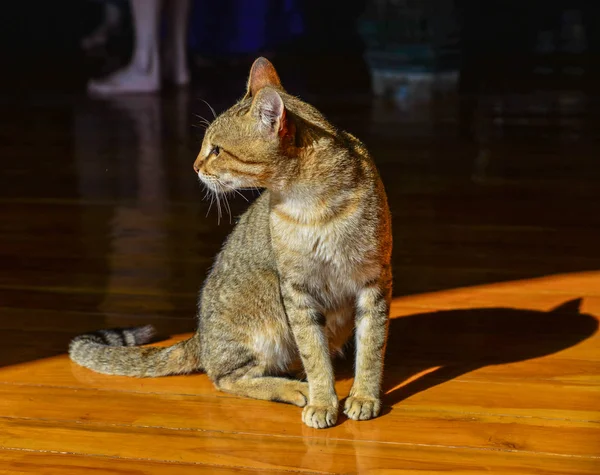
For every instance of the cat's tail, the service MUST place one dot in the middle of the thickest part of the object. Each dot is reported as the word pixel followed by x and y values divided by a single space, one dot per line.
pixel 116 352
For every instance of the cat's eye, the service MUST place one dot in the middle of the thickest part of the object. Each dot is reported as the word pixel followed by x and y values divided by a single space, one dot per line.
pixel 215 150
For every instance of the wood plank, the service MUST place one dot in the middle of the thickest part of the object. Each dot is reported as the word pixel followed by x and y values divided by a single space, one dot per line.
pixel 321 453
pixel 48 253
pixel 151 277
pixel 406 358
pixel 457 210
pixel 496 295
pixel 427 426
pixel 74 322
pixel 46 463
pixel 48 371
pixel 569 367
pixel 144 302
pixel 411 328
pixel 525 398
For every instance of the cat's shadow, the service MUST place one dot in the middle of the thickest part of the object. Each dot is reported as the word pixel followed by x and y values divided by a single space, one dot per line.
pixel 460 341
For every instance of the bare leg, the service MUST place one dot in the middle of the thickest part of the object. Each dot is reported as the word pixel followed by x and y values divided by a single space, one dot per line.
pixel 174 59
pixel 111 21
pixel 143 72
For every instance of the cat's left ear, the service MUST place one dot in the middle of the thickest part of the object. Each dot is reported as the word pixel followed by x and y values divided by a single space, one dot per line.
pixel 262 74
pixel 269 112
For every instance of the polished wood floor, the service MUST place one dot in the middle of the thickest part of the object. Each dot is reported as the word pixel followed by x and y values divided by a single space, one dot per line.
pixel 493 362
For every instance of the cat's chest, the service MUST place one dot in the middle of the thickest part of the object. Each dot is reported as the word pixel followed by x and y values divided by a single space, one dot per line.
pixel 325 257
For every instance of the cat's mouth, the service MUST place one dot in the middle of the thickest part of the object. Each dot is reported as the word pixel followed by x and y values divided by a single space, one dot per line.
pixel 215 184
pixel 218 189
pixel 210 181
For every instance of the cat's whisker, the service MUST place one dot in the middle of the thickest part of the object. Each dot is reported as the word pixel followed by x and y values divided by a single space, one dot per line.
pixel 219 212
pixel 223 192
pixel 253 189
pixel 210 107
pixel 210 204
pixel 227 207
pixel 233 189
pixel 203 119
pixel 208 192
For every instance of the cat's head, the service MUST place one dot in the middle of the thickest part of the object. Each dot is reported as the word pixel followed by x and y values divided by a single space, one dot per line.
pixel 252 143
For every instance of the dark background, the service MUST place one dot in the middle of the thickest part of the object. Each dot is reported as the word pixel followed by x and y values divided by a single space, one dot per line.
pixel 496 43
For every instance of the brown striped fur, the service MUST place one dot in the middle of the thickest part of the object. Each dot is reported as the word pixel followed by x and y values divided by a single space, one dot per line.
pixel 307 265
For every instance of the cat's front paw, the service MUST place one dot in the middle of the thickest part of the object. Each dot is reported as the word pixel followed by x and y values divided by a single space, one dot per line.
pixel 320 417
pixel 362 408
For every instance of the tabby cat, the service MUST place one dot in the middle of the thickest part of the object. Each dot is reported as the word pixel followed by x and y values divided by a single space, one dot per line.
pixel 307 265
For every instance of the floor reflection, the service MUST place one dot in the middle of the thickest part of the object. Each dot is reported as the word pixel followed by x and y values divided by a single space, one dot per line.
pixel 112 219
pixel 134 168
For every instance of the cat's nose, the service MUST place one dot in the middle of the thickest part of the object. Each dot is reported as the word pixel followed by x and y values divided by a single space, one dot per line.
pixel 196 169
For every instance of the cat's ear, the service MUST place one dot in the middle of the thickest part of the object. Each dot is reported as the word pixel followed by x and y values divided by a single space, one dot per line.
pixel 262 74
pixel 269 112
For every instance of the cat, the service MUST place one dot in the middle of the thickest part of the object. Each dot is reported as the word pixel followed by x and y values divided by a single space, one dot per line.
pixel 305 268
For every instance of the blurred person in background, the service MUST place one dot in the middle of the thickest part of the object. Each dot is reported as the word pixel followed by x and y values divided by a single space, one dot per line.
pixel 149 63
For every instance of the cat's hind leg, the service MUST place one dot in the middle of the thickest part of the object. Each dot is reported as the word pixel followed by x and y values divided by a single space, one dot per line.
pixel 252 382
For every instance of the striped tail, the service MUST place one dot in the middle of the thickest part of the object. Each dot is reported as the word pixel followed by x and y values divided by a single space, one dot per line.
pixel 115 352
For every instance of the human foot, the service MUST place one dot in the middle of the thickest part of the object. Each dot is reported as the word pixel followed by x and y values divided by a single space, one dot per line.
pixel 130 80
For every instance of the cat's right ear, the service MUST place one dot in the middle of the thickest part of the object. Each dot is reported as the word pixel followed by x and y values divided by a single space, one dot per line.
pixel 269 112
pixel 262 74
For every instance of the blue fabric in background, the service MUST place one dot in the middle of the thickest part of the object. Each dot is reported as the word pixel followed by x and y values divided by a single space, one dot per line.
pixel 238 27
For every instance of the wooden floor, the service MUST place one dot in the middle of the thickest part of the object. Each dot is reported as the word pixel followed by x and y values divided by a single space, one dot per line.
pixel 493 362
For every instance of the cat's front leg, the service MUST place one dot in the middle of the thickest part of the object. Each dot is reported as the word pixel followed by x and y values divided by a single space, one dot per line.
pixel 308 327
pixel 372 317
